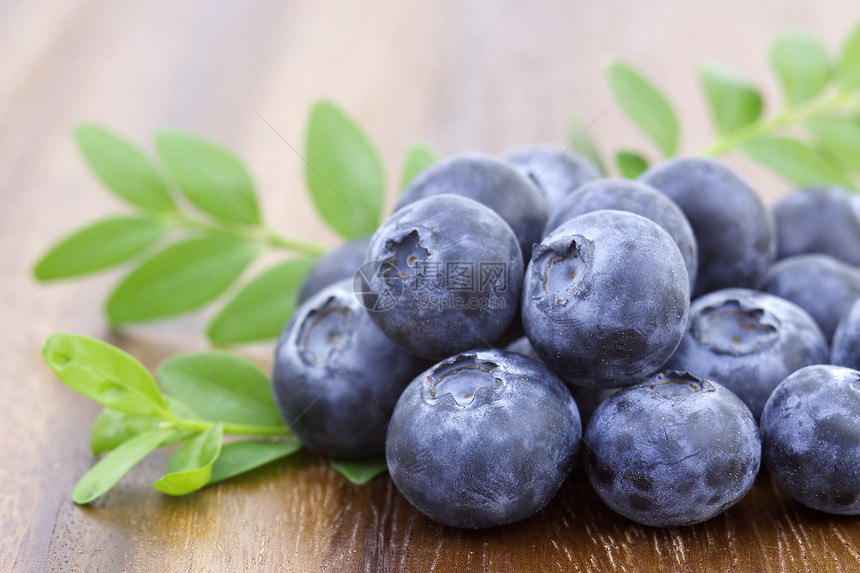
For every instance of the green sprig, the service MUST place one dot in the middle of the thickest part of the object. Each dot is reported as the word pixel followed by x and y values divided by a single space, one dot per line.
pixel 810 139
pixel 197 224
pixel 202 397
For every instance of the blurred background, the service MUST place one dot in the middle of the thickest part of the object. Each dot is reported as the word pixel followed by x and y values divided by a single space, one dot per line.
pixel 463 75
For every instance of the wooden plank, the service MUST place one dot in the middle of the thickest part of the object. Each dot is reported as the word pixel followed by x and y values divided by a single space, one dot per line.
pixel 465 75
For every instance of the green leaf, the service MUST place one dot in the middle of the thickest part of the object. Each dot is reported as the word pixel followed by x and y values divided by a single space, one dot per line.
pixel 795 161
pixel 583 143
pixel 734 102
pixel 261 309
pixel 802 65
pixel 182 277
pixel 116 464
pixel 343 172
pixel 840 136
pixel 240 457
pixel 849 65
pixel 106 374
pixel 98 246
pixel 221 387
pixel 630 164
pixel 113 428
pixel 645 106
pixel 123 168
pixel 190 467
pixel 359 471
pixel 418 158
pixel 210 176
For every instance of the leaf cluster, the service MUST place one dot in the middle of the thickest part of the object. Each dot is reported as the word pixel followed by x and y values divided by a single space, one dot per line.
pixel 812 137
pixel 200 400
pixel 196 224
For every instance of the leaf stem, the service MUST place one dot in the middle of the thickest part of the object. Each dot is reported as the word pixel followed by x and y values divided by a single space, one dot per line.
pixel 837 103
pixel 263 236
pixel 229 428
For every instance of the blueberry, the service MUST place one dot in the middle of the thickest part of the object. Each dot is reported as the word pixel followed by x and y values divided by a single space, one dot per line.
pixel 482 439
pixel 554 171
pixel 491 182
pixel 447 278
pixel 605 299
pixel 337 377
pixel 811 438
pixel 733 229
pixel 586 398
pixel 845 350
pixel 748 341
pixel 340 263
pixel 819 220
pixel 635 197
pixel 675 450
pixel 819 284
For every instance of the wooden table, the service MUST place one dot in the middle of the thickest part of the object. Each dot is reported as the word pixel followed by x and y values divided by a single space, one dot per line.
pixel 466 75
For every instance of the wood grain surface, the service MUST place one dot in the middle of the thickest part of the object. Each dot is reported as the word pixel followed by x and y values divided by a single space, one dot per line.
pixel 464 75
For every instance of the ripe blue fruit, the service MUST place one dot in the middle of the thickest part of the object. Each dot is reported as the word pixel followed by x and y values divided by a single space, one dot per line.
pixel 483 438
pixel 733 229
pixel 340 263
pixel 448 276
pixel 674 450
pixel 822 220
pixel 845 350
pixel 488 181
pixel 811 438
pixel 337 377
pixel 554 171
pixel 605 299
pixel 748 341
pixel 635 197
pixel 819 284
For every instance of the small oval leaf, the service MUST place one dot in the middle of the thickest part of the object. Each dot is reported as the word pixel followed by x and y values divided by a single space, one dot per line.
pixel 359 472
pixel 840 136
pixel 645 105
pixel 630 164
pixel 264 305
pixel 240 457
pixel 182 277
pixel 190 467
pixel 210 176
pixel 116 464
pixel 221 387
pixel 795 161
pixel 106 374
pixel 123 168
pixel 98 246
pixel 801 63
pixel 343 172
pixel 734 102
pixel 849 65
pixel 112 429
pixel 418 158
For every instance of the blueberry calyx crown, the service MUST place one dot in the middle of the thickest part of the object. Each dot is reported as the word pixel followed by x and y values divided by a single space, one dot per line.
pixel 405 253
pixel 736 328
pixel 324 332
pixel 461 378
pixel 678 384
pixel 560 272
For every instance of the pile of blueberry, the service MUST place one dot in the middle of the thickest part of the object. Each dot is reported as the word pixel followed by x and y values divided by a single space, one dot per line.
pixel 506 302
